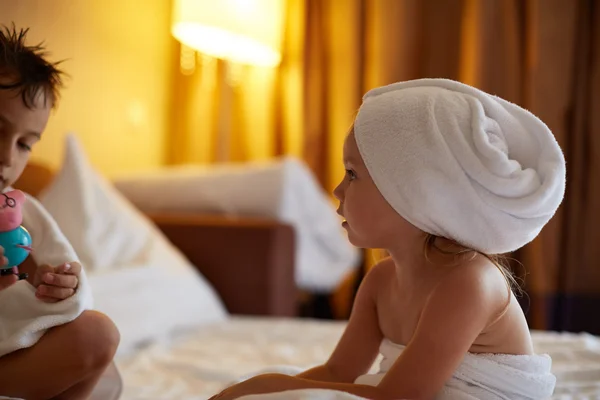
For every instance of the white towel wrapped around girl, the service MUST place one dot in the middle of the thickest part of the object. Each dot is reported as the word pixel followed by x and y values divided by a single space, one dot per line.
pixel 446 178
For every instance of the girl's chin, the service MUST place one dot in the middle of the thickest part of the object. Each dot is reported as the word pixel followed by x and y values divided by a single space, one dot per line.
pixel 356 240
pixel 351 236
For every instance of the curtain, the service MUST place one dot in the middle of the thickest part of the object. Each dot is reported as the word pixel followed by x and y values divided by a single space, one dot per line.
pixel 540 54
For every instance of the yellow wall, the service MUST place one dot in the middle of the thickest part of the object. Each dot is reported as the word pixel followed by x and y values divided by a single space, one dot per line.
pixel 119 60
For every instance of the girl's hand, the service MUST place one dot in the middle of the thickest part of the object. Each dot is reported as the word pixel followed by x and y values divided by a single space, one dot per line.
pixel 260 384
pixel 54 284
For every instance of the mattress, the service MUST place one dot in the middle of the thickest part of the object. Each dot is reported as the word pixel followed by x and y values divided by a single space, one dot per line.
pixel 198 364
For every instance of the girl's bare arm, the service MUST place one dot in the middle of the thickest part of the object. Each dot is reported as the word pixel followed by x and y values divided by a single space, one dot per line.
pixel 358 347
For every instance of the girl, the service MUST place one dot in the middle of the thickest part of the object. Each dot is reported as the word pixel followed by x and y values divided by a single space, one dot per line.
pixel 444 177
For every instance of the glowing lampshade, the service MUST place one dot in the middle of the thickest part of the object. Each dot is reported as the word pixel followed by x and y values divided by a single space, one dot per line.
pixel 242 31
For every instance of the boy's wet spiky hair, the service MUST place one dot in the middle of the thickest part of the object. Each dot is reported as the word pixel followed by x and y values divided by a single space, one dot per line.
pixel 25 68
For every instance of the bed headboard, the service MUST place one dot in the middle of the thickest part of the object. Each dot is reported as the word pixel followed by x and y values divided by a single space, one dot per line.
pixel 35 178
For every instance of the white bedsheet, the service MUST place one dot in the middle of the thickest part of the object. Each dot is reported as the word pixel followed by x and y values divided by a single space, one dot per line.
pixel 198 365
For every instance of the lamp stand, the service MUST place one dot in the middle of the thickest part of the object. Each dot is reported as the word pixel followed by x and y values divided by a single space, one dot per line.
pixel 224 115
pixel 232 75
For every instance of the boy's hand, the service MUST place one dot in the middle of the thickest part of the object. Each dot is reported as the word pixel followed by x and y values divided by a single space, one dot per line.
pixel 8 280
pixel 54 284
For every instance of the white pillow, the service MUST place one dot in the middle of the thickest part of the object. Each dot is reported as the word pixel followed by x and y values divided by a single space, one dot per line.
pixel 138 278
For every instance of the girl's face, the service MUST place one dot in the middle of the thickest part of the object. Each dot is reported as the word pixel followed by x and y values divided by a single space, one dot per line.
pixel 369 219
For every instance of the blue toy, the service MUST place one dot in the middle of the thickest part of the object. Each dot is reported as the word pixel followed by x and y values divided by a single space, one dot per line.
pixel 17 245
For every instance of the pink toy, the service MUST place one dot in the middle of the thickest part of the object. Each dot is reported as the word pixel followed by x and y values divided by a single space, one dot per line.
pixel 11 214
pixel 14 238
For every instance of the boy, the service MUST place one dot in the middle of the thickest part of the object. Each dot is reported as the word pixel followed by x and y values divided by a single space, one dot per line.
pixel 68 360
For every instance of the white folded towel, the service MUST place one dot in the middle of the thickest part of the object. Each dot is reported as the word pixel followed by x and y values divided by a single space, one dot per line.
pixel 483 376
pixel 462 164
pixel 23 317
pixel 283 189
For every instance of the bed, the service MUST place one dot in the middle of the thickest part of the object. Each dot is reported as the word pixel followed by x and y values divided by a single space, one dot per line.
pixel 199 364
pixel 258 326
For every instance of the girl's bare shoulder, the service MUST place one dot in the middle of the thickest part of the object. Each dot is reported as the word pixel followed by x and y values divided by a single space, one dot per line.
pixel 481 280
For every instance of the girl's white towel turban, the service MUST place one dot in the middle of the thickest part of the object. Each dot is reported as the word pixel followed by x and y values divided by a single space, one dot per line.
pixel 459 163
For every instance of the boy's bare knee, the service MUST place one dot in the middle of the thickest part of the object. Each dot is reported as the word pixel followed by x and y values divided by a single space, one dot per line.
pixel 95 339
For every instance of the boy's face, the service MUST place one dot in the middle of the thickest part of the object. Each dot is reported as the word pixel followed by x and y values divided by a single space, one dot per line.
pixel 20 129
